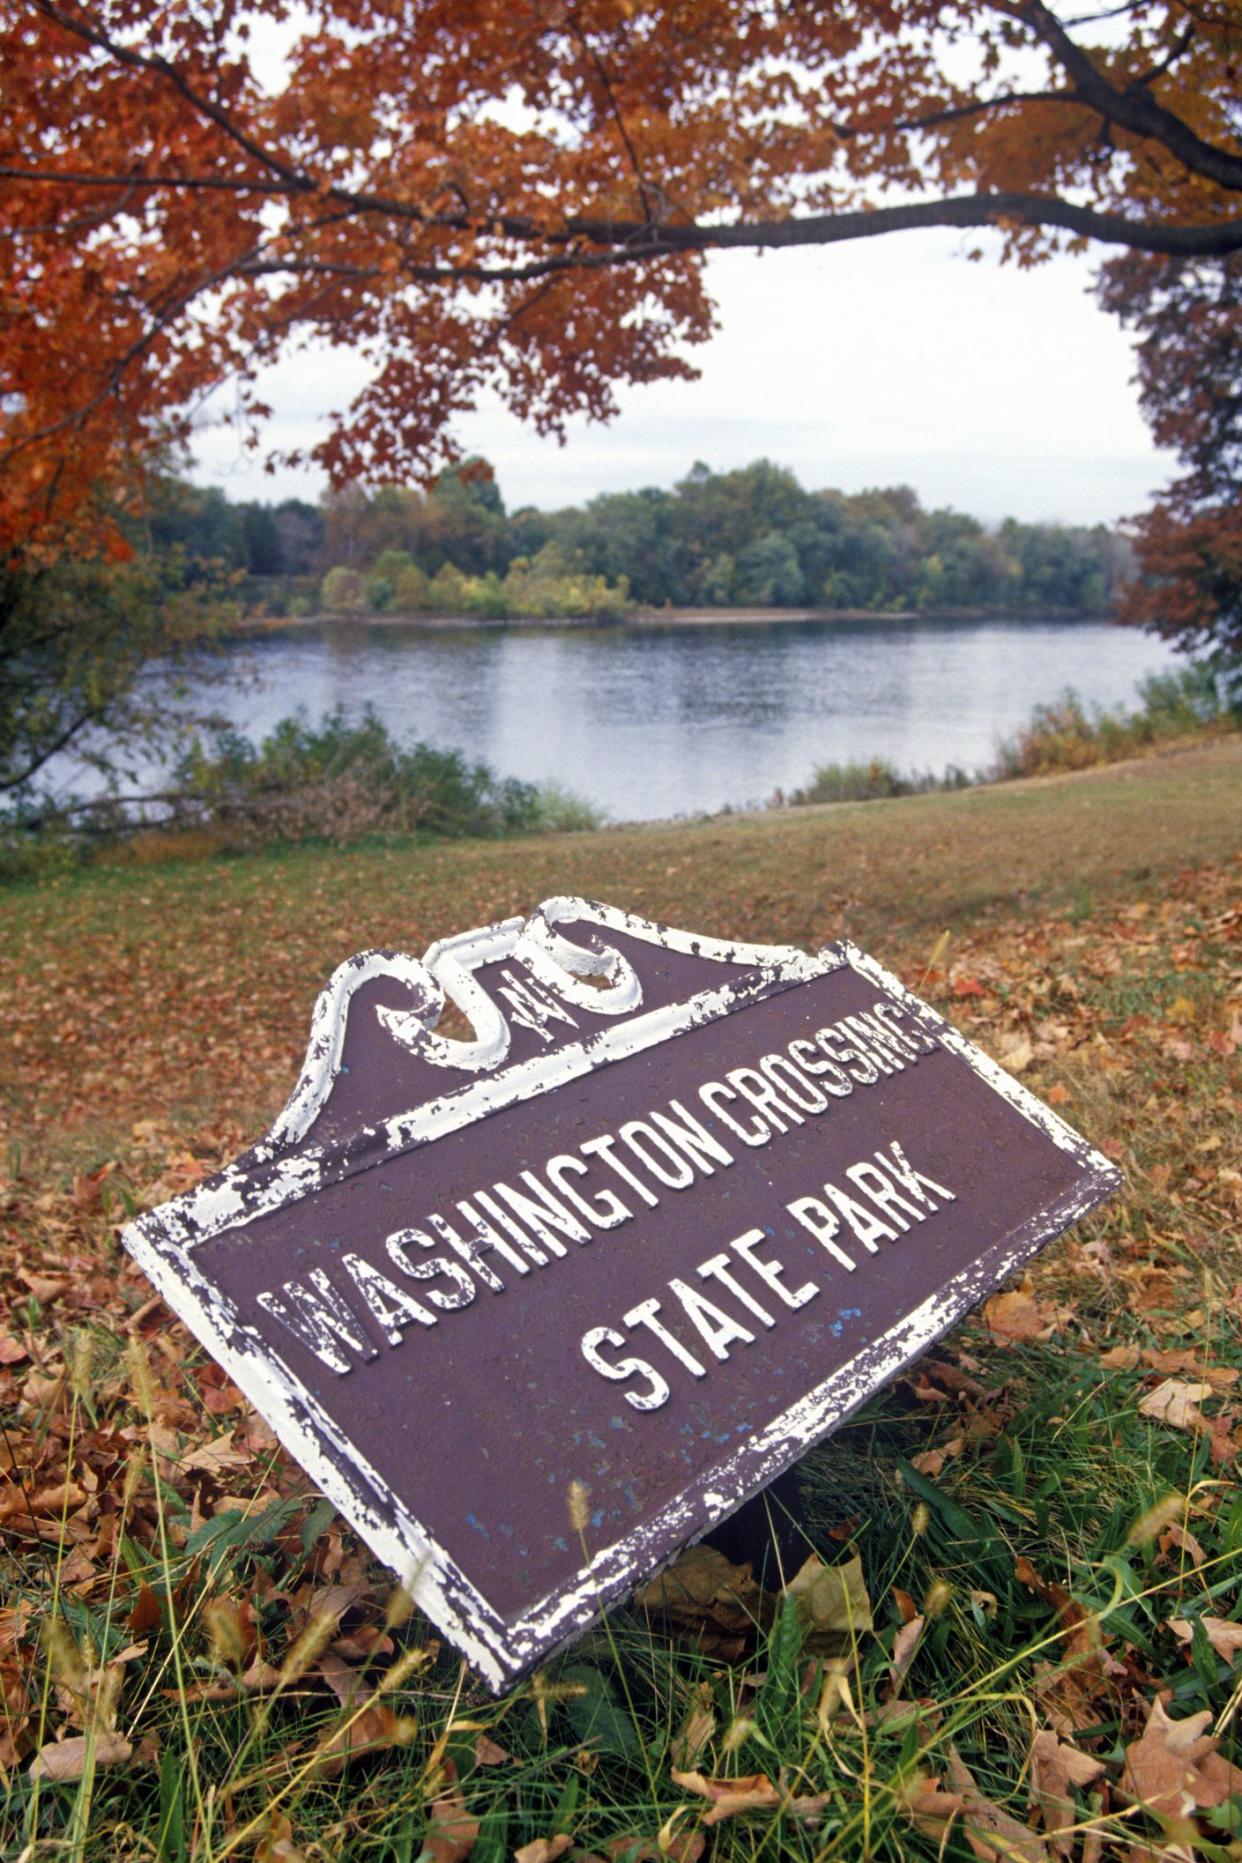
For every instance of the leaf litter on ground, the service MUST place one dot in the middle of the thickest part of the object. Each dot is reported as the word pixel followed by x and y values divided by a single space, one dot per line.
pixel 146 1509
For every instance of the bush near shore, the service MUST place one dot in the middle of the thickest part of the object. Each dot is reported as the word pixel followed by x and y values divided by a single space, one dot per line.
pixel 337 781
pixel 1062 736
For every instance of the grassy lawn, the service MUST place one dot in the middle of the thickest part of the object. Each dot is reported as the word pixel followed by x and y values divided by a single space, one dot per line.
pixel 1038 1531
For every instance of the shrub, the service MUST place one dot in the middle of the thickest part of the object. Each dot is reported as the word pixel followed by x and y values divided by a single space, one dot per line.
pixel 561 812
pixel 339 780
pixel 854 782
pixel 411 590
pixel 549 587
pixel 449 591
pixel 1063 736
pixel 343 591
pixel 487 598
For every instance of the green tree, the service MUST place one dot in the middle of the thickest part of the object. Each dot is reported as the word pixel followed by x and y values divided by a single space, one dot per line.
pixel 88 655
pixel 768 572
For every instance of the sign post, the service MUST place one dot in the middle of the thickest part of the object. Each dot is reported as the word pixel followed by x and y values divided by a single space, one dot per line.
pixel 677 1209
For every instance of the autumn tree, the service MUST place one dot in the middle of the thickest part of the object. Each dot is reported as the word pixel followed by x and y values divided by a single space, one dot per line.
pixel 514 196
pixel 1187 314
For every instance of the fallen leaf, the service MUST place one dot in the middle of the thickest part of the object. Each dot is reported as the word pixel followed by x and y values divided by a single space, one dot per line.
pixel 1178 1358
pixel 543 1849
pixel 1056 1765
pixel 451 1831
pixel 707 1594
pixel 1018 1318
pixel 749 1792
pixel 1174 1767
pixel 670 1847
pixel 931 1461
pixel 1175 1403
pixel 214 1457
pixel 904 1645
pixel 1178 1536
pixel 1017 1054
pixel 487 1753
pixel 64 1760
pixel 832 1602
pixel 277 1845
pixel 347 1683
pixel 1224 1635
pixel 367 1730
pixel 45 1287
pixel 697 1728
pixel 993 1835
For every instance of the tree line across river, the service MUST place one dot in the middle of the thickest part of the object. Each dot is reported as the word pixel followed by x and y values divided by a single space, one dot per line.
pixel 750 538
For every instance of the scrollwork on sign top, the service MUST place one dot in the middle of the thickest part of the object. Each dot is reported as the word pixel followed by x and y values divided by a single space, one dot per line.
pixel 546 981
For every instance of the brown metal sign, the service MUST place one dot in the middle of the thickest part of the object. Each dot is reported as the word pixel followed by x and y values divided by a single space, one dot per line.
pixel 673 1213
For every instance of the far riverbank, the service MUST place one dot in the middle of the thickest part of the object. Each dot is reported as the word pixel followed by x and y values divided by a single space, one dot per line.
pixel 667 617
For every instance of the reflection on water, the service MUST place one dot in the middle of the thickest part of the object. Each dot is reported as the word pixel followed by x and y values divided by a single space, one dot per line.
pixel 656 721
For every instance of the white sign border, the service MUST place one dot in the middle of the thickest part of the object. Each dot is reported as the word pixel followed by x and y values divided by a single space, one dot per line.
pixel 163 1241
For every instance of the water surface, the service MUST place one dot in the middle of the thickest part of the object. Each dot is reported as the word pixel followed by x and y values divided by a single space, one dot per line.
pixel 653 721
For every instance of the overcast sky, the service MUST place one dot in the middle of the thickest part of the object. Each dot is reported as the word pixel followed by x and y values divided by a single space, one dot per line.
pixel 892 361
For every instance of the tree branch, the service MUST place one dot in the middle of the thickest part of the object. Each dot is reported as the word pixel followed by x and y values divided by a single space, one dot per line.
pixel 151 61
pixel 1135 110
pixel 1210 240
pixel 75 178
pixel 49 751
pixel 601 72
pixel 643 240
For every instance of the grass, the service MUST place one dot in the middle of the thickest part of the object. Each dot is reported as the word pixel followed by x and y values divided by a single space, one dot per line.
pixel 170 1581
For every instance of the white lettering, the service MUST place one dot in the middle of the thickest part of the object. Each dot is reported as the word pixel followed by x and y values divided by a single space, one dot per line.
pixel 390 1305
pixel 666 1163
pixel 715 1327
pixel 711 1093
pixel 606 1210
pixel 319 1315
pixel 657 1391
pixel 912 1181
pixel 603 1148
pixel 644 1314
pixel 397 1244
pixel 693 1137
pixel 823 1225
pixel 773 1271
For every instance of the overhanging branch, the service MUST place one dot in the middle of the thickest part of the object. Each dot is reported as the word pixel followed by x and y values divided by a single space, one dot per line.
pixel 633 240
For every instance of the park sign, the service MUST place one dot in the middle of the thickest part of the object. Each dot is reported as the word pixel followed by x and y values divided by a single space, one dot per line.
pixel 538 1308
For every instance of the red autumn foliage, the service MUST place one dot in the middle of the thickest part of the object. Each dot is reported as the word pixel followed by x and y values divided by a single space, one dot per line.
pixel 517 198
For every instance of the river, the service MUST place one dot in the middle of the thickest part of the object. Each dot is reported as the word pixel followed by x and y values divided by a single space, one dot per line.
pixel 653 721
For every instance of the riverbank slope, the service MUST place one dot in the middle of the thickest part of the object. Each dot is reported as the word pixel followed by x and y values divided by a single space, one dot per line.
pixel 196 978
